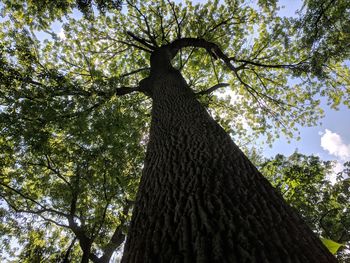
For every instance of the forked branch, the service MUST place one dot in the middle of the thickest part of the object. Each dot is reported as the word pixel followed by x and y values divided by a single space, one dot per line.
pixel 210 47
pixel 118 236
pixel 141 41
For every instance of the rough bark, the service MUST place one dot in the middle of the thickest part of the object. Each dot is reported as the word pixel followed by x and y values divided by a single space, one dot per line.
pixel 200 199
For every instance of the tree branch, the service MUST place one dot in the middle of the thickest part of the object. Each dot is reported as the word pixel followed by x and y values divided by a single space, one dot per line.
pixel 118 236
pixel 321 13
pixel 134 72
pixel 250 62
pixel 141 40
pixel 178 23
pixel 126 90
pixel 216 53
pixel 66 255
pixel 213 88
pixel 85 241
pixel 136 46
pixel 43 208
pixel 33 212
pixel 211 48
pixel 221 23
pixel 322 223
pixel 148 32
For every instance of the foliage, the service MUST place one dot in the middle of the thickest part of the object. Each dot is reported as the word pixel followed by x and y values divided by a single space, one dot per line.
pixel 39 14
pixel 67 154
pixel 331 245
pixel 324 28
pixel 72 135
pixel 79 168
pixel 304 181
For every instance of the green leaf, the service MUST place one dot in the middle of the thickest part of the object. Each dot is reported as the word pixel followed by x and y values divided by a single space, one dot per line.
pixel 332 246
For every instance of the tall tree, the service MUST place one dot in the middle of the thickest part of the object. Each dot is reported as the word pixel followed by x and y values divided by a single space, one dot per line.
pixel 200 199
pixel 208 203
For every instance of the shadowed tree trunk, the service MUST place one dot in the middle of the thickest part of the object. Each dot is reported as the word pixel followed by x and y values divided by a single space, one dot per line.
pixel 200 198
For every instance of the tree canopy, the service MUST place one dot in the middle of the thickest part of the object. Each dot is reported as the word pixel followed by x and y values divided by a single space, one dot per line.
pixel 74 119
pixel 304 182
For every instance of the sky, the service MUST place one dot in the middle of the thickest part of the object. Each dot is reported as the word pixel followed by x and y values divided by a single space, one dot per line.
pixel 329 140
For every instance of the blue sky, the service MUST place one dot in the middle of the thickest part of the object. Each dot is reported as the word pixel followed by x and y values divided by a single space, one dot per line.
pixel 336 122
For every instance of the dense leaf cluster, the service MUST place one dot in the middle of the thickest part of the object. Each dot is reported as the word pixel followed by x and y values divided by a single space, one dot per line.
pixel 304 181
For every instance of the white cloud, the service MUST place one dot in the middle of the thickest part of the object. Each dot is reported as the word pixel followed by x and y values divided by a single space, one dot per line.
pixel 333 143
pixel 61 34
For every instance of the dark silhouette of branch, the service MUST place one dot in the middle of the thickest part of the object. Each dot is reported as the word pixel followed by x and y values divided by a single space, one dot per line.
pixel 34 212
pixel 126 90
pixel 320 15
pixel 178 23
pixel 322 223
pixel 134 72
pixel 85 241
pixel 250 62
pixel 217 53
pixel 210 47
pixel 141 40
pixel 134 45
pixel 148 31
pixel 213 88
pixel 221 23
pixel 50 167
pixel 26 197
pixel 118 236
pixel 183 63
pixel 66 255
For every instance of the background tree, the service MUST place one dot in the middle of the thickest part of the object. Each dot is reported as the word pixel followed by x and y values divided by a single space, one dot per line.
pixel 61 169
pixel 70 171
pixel 75 79
pixel 40 14
pixel 304 182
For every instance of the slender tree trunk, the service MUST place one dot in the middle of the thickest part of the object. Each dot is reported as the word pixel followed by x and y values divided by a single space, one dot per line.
pixel 69 250
pixel 85 245
pixel 200 199
pixel 85 257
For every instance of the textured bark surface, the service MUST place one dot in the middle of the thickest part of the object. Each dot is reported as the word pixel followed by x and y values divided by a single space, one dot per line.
pixel 200 199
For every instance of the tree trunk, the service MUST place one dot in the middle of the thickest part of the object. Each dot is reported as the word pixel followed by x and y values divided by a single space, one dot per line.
pixel 85 245
pixel 85 257
pixel 200 199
